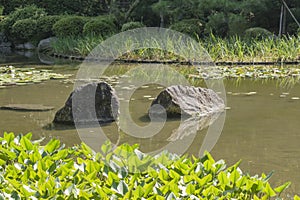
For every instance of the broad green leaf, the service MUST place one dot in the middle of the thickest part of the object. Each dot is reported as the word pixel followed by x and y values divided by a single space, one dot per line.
pixel 87 151
pixel 163 175
pixel 174 175
pixel 296 197
pixel 2 162
pixel 211 190
pixel 138 192
pixel 28 136
pixel 9 137
pixel 281 188
pixel 223 179
pixel 26 143
pixel 269 191
pixel 148 188
pixel 241 182
pixel 205 180
pixel 234 176
pixel 190 189
pixel 52 146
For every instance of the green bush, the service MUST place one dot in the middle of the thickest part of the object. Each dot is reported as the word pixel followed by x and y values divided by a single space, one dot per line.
pixel 54 7
pixel 192 27
pixel 28 12
pixel 24 30
pixel 31 171
pixel 103 26
pixel 217 24
pixel 1 10
pixel 237 25
pixel 257 33
pixel 132 25
pixel 69 26
pixel 45 24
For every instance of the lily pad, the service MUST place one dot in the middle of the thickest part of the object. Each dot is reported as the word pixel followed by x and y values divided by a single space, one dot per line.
pixel 27 107
pixel 10 75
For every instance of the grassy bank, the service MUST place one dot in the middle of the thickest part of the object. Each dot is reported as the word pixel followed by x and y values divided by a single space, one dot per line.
pixel 232 49
pixel 31 171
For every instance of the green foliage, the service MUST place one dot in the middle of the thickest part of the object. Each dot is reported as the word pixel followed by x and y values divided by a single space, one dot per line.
pixel 258 33
pixel 217 24
pixel 132 25
pixel 1 10
pixel 256 13
pixel 10 75
pixel 28 12
pixel 71 7
pixel 232 49
pixel 69 26
pixel 45 24
pixel 24 30
pixel 29 170
pixel 192 27
pixel 103 26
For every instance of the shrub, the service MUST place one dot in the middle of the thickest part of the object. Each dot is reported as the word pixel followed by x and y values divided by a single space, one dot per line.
pixel 1 10
pixel 31 171
pixel 69 26
pixel 132 25
pixel 103 26
pixel 217 24
pixel 237 24
pixel 24 30
pixel 257 33
pixel 192 27
pixel 45 24
pixel 28 12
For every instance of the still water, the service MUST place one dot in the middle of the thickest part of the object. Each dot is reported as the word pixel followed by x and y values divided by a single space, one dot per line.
pixel 262 129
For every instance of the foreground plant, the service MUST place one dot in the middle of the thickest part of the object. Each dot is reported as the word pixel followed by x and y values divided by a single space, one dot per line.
pixel 29 170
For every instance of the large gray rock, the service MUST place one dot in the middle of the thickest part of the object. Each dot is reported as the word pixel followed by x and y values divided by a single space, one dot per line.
pixel 188 101
pixel 5 45
pixel 25 46
pixel 93 102
pixel 45 44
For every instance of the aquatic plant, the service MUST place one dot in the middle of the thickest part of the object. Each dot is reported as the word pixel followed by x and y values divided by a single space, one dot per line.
pixel 10 75
pixel 29 170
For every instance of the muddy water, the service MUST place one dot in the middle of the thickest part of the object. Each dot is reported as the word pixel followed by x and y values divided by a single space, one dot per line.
pixel 262 129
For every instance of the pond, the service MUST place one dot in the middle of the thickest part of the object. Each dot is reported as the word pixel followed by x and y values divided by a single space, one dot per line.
pixel 261 129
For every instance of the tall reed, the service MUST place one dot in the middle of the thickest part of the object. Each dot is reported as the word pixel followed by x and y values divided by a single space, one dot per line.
pixel 232 49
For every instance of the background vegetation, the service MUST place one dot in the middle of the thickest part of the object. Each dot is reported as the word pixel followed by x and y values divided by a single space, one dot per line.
pixel 221 17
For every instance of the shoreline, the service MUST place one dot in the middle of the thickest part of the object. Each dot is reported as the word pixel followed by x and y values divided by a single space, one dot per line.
pixel 133 61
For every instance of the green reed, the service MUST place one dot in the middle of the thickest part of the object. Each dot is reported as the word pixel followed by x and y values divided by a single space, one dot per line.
pixel 232 49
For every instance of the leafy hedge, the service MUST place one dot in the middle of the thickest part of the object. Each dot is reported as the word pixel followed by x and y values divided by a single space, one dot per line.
pixel 24 30
pixel 29 170
pixel 103 26
pixel 69 26
pixel 258 33
pixel 29 12
pixel 132 25
pixel 45 24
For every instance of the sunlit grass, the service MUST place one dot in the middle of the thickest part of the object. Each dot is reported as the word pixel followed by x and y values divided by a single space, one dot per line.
pixel 233 49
